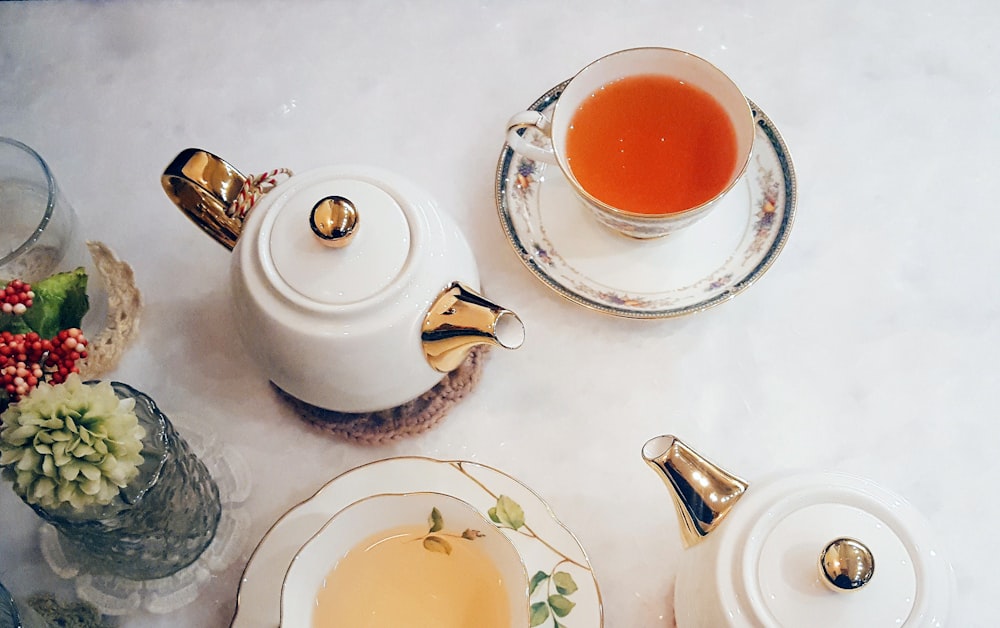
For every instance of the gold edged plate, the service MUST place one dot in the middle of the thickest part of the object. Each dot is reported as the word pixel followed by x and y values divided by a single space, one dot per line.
pixel 557 565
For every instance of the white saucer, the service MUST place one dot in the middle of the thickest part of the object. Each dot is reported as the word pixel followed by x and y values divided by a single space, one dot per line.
pixel 699 267
pixel 545 545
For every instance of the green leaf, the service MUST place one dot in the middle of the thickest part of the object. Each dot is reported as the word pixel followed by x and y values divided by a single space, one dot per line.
pixel 508 512
pixel 437 544
pixel 492 512
pixel 536 580
pixel 60 303
pixel 564 583
pixel 13 323
pixel 560 605
pixel 436 521
pixel 539 613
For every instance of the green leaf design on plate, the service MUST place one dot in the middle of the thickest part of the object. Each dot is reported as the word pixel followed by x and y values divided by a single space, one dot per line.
pixel 539 613
pixel 536 580
pixel 507 512
pixel 437 544
pixel 560 605
pixel 564 583
pixel 436 521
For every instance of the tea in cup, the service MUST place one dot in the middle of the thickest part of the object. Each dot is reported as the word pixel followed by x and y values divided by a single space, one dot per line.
pixel 649 138
pixel 415 559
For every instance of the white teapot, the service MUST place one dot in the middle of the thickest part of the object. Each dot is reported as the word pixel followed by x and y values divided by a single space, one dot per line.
pixel 817 549
pixel 349 287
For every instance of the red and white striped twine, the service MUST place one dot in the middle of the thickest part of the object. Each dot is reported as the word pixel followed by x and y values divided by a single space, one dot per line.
pixel 255 186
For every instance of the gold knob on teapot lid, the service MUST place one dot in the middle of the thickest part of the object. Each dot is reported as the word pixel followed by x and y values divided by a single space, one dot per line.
pixel 334 220
pixel 846 564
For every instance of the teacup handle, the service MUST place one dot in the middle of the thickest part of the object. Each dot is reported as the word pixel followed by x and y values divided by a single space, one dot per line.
pixel 515 140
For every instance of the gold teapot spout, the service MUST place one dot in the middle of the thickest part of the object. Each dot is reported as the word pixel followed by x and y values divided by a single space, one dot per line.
pixel 204 187
pixel 703 492
pixel 459 320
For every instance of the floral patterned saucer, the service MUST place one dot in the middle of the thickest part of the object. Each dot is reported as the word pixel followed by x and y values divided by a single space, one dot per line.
pixel 564 591
pixel 702 266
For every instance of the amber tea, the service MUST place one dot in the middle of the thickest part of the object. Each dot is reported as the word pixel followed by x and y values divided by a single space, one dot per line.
pixel 652 144
pixel 403 577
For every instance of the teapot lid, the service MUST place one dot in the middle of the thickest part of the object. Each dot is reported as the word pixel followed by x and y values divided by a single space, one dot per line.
pixel 336 236
pixel 832 549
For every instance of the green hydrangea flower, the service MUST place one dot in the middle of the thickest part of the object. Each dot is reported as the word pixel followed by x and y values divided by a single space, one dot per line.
pixel 70 443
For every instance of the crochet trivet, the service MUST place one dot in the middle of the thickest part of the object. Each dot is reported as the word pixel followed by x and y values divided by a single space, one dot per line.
pixel 124 306
pixel 409 419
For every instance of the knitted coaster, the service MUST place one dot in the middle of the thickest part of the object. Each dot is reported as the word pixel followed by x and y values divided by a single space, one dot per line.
pixel 121 324
pixel 409 419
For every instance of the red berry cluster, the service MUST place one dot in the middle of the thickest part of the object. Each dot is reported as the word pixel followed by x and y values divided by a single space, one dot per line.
pixel 28 359
pixel 16 297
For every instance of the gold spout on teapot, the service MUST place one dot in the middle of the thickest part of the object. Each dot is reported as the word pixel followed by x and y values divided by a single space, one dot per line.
pixel 703 492
pixel 461 319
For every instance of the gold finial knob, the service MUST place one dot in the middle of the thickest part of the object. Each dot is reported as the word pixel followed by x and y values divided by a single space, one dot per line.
pixel 846 564
pixel 334 220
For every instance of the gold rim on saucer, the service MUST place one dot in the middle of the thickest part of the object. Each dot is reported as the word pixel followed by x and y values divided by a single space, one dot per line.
pixel 545 545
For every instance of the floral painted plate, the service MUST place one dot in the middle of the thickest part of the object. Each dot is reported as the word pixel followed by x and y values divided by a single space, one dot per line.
pixel 564 591
pixel 699 267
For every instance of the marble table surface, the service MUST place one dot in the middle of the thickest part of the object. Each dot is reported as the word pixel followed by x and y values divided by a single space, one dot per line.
pixel 869 347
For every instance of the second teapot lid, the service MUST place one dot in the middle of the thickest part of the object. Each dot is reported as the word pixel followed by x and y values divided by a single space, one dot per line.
pixel 834 549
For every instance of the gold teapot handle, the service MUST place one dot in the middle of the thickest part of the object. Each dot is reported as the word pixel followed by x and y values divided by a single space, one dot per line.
pixel 204 187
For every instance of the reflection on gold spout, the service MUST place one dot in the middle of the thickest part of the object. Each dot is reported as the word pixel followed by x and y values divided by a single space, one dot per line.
pixel 459 320
pixel 703 493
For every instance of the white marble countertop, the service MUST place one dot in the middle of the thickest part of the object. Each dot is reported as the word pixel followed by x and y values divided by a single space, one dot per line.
pixel 869 347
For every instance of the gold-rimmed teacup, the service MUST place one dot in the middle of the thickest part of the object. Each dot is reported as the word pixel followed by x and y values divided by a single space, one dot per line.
pixel 541 138
pixel 420 558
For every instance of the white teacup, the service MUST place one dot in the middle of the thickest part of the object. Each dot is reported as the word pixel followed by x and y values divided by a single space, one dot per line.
pixel 352 535
pixel 687 69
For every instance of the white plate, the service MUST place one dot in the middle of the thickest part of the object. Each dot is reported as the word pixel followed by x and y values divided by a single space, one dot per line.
pixel 553 557
pixel 701 266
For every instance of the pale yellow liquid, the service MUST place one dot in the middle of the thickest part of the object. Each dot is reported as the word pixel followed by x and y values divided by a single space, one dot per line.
pixel 391 581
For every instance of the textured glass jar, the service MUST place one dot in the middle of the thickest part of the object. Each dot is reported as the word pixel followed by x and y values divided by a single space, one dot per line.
pixel 8 610
pixel 160 523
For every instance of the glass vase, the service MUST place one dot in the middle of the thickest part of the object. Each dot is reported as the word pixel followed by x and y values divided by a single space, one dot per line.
pixel 39 230
pixel 157 525
pixel 9 617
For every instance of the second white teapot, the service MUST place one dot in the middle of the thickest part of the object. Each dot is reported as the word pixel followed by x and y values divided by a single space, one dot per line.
pixel 803 549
